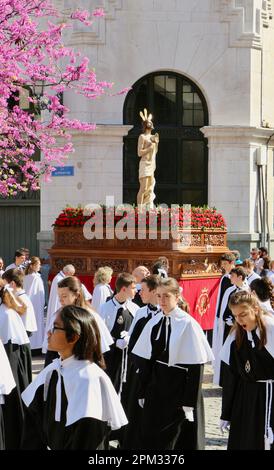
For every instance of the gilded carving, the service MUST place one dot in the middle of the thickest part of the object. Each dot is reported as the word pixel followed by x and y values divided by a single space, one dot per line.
pixel 214 239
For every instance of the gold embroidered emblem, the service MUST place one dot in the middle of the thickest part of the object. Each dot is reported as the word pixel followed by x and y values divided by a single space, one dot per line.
pixel 247 367
pixel 203 304
pixel 120 320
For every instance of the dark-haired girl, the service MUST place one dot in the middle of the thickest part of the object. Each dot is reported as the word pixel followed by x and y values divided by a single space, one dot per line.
pixel 72 403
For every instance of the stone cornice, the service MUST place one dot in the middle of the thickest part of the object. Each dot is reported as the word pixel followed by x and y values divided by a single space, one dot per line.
pixel 245 19
pixel 107 131
pixel 96 34
pixel 241 134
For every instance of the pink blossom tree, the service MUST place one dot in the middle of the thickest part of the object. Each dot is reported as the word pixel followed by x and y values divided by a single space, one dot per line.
pixel 34 62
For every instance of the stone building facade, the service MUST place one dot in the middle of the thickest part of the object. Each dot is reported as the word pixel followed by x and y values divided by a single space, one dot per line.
pixel 206 70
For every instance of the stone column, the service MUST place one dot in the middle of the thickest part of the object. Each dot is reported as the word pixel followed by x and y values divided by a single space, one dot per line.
pixel 233 184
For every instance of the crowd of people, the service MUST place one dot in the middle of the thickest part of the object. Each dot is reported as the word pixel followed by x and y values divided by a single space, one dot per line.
pixel 126 365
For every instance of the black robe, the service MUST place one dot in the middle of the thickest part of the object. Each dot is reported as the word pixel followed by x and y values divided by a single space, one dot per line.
pixel 224 285
pixel 20 361
pixel 165 390
pixel 134 411
pixel 243 402
pixel 41 431
pixel 113 358
pixel 138 300
pixel 2 432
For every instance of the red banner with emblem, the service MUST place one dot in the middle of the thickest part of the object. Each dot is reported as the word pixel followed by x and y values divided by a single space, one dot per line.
pixel 201 294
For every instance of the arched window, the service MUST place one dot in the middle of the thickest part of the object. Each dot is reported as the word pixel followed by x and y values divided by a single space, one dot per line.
pixel 179 111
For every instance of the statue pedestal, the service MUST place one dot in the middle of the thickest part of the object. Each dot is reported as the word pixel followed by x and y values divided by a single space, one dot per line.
pixel 192 254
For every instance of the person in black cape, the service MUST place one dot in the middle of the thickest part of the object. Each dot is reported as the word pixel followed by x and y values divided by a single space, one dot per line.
pixel 72 403
pixel 118 314
pixel 248 358
pixel 17 346
pixel 7 385
pixel 227 263
pixel 149 297
pixel 175 349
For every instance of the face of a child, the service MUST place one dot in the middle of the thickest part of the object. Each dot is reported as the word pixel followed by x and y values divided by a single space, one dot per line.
pixel 66 297
pixel 245 316
pixel 167 300
pixel 146 294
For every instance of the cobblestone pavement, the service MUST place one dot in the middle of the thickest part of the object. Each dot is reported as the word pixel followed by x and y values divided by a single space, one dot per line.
pixel 212 401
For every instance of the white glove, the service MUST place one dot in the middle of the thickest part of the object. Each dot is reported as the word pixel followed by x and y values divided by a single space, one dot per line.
pixel 229 321
pixel 224 425
pixel 121 343
pixel 188 410
pixel 141 402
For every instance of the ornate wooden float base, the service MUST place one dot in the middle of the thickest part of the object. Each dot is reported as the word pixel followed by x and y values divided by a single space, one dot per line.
pixel 193 254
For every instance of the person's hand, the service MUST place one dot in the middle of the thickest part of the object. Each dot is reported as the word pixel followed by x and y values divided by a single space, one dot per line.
pixel 123 334
pixel 188 410
pixel 141 402
pixel 121 343
pixel 224 425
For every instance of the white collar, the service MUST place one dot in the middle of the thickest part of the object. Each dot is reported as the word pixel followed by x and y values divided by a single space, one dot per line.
pixel 119 304
pixel 98 398
pixel 187 344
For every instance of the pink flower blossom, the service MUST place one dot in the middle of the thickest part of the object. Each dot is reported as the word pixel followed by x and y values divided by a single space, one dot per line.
pixel 34 62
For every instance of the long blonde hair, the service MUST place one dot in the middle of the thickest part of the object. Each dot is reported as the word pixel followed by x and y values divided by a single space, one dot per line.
pixel 249 300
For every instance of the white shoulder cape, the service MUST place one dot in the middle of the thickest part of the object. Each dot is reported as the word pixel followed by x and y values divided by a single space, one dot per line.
pixel 187 345
pixel 106 338
pixel 11 327
pixel 89 392
pixel 269 323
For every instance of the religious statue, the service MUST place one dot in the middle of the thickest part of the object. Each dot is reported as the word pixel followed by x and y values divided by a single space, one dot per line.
pixel 147 150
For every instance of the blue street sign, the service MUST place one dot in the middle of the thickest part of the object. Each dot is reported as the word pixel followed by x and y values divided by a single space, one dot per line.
pixel 63 171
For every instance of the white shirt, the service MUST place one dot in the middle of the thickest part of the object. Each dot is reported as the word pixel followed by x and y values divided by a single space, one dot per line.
pixel 34 288
pixel 100 294
pixel 109 310
pixel 251 277
pixel 28 317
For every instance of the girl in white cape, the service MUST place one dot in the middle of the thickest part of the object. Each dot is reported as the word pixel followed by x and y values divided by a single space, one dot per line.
pixel 175 349
pixel 7 384
pixel 72 403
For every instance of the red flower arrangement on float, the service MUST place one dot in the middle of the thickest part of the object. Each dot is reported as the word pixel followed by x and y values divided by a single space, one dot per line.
pixel 200 218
